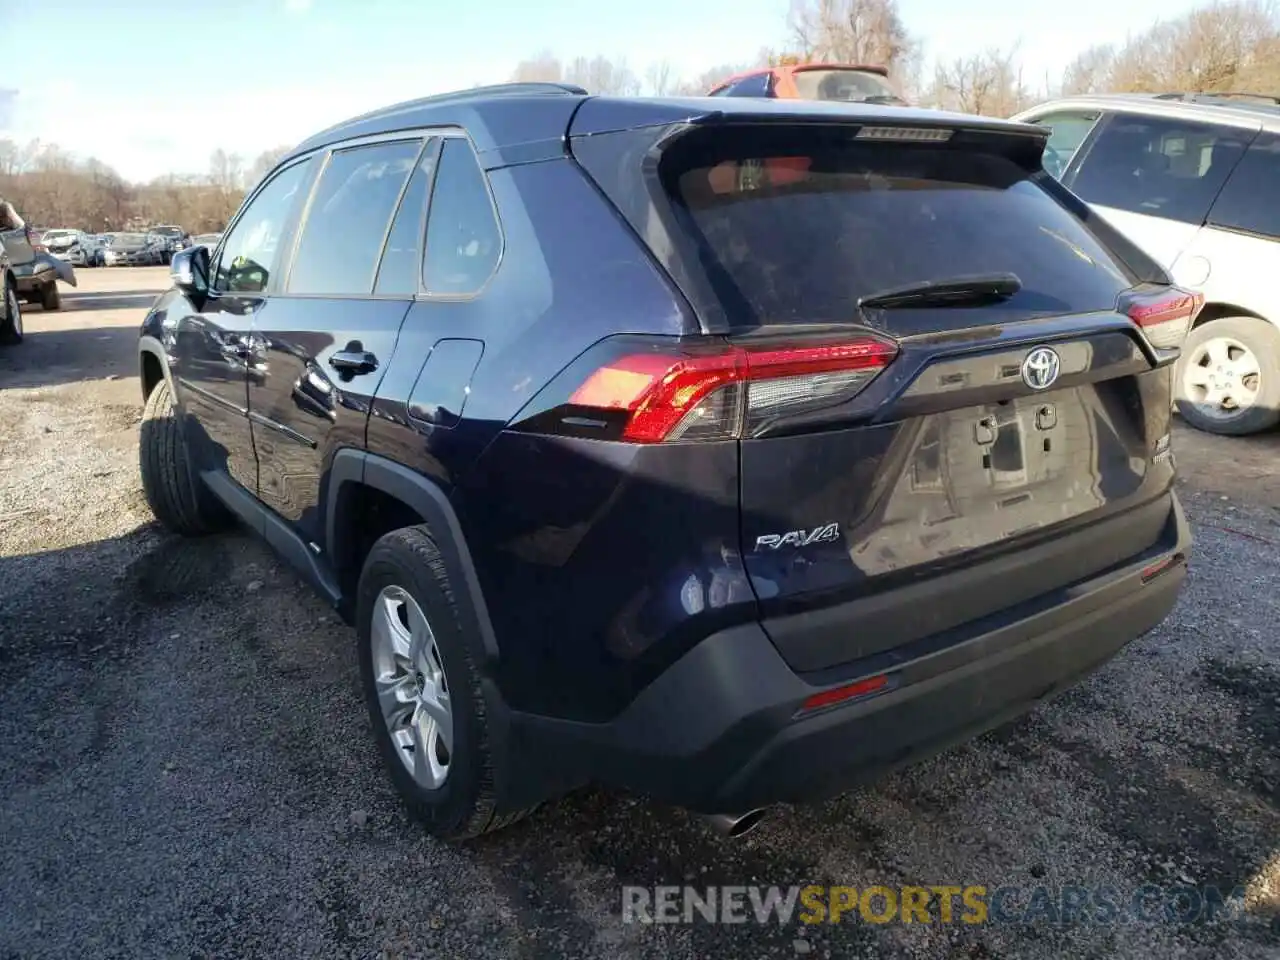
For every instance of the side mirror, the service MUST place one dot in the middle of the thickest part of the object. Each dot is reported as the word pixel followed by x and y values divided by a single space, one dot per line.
pixel 189 270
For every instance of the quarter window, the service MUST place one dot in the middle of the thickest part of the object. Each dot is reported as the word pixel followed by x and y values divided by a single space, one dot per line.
pixel 1251 199
pixel 756 85
pixel 1066 132
pixel 1160 167
pixel 348 217
pixel 250 248
pixel 463 238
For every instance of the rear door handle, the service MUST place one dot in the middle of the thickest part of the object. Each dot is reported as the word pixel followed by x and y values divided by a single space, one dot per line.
pixel 354 361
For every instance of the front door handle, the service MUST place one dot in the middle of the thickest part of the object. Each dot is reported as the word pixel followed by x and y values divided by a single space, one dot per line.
pixel 351 362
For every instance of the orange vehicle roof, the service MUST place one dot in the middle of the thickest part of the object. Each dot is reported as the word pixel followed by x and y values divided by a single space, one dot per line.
pixel 800 67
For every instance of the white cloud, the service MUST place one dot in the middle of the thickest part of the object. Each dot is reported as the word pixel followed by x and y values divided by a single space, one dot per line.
pixel 297 6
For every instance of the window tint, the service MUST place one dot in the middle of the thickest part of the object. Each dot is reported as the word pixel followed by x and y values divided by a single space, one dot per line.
pixel 250 247
pixel 1066 132
pixel 1251 199
pixel 348 218
pixel 756 85
pixel 801 234
pixel 402 258
pixel 463 240
pixel 1160 167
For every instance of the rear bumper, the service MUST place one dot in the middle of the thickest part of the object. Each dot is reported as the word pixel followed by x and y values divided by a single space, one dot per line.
pixel 33 276
pixel 718 731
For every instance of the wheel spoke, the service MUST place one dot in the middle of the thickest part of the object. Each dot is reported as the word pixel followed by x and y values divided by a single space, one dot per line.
pixel 421 638
pixel 1219 351
pixel 396 697
pixel 1246 365
pixel 426 768
pixel 389 634
pixel 1196 375
pixel 436 706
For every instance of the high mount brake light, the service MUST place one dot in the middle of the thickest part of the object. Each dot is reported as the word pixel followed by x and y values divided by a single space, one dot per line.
pixel 724 395
pixel 1166 317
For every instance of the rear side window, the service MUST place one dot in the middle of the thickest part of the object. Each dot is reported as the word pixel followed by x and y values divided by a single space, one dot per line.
pixel 348 218
pixel 1250 201
pixel 799 235
pixel 1159 167
pixel 463 239
pixel 402 257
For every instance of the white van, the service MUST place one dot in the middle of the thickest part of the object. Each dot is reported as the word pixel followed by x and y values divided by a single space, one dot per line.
pixel 1195 181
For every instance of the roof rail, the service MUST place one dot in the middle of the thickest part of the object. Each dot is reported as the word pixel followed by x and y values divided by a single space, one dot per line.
pixel 536 88
pixel 1224 95
pixel 517 88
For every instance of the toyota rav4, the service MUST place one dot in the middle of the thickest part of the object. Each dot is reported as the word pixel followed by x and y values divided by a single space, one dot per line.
pixel 637 458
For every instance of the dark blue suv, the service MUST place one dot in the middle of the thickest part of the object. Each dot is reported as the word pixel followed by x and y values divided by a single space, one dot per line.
pixel 727 451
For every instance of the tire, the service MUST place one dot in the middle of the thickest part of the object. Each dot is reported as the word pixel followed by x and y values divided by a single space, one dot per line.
pixel 179 501
pixel 1241 344
pixel 51 297
pixel 406 562
pixel 11 326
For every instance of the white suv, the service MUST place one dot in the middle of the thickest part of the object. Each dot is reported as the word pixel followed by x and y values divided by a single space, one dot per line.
pixel 1195 181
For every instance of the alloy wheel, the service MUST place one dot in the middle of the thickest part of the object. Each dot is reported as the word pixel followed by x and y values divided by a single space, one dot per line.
pixel 411 686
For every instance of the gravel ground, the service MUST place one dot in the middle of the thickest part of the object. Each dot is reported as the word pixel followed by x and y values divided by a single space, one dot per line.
pixel 185 768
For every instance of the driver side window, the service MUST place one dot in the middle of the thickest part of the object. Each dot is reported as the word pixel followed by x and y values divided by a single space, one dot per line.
pixel 1066 132
pixel 250 248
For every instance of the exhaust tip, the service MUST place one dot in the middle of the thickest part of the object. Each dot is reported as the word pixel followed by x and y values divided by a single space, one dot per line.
pixel 733 826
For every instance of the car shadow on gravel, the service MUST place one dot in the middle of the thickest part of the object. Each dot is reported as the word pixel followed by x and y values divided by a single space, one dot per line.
pixel 109 300
pixel 48 358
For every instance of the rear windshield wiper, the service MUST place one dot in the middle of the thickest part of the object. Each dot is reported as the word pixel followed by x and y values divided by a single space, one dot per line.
pixel 965 291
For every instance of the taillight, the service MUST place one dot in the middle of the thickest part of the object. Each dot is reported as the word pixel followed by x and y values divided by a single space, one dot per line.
pixel 1165 317
pixel 36 245
pixel 667 397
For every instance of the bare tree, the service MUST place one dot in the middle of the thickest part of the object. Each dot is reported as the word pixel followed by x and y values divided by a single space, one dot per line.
pixel 1090 71
pixel 988 83
pixel 263 164
pixel 660 79
pixel 51 187
pixel 1225 46
pixel 850 31
pixel 544 66
pixel 600 75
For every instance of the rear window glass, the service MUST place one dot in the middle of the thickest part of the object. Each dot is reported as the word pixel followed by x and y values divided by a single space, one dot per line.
pixel 794 237
pixel 840 85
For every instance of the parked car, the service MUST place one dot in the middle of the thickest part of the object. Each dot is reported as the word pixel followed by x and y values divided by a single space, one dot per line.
pixel 35 273
pixel 169 240
pixel 728 494
pixel 75 247
pixel 857 83
pixel 1194 181
pixel 207 240
pixel 132 250
pixel 10 308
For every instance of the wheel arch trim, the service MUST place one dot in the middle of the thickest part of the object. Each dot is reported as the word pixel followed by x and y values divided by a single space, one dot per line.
pixel 429 501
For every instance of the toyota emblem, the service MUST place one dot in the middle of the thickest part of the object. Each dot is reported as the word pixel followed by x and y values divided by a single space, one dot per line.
pixel 1041 368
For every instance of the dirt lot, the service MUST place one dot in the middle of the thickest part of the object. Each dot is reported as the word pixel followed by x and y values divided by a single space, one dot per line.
pixel 185 768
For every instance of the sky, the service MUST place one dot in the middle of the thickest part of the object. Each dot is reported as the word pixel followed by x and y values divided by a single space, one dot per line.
pixel 154 86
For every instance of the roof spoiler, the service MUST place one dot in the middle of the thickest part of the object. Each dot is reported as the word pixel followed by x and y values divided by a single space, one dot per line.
pixel 1022 143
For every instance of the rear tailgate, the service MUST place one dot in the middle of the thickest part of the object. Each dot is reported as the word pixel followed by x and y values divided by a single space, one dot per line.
pixel 1011 447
